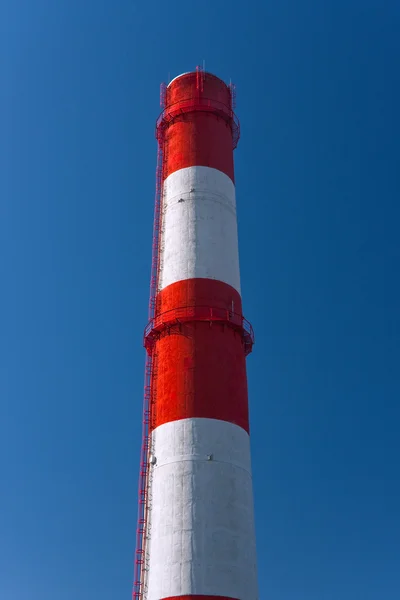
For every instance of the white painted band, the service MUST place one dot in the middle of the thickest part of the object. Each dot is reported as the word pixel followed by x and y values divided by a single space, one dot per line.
pixel 201 521
pixel 199 229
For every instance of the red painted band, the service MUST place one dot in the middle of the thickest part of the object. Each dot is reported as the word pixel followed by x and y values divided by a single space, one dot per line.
pixel 200 367
pixel 193 84
pixel 198 292
pixel 198 138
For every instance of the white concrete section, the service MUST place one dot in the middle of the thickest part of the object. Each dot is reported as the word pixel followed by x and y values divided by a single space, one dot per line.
pixel 202 539
pixel 199 228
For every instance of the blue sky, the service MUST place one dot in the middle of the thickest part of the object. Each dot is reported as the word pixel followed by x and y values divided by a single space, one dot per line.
pixel 318 202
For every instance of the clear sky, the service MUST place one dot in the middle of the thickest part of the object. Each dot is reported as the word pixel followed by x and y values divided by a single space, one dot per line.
pixel 317 167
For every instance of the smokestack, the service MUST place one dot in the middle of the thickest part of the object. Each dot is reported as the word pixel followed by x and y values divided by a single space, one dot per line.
pixel 196 535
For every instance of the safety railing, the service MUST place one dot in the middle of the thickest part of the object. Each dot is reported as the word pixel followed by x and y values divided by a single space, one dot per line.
pixel 172 111
pixel 163 323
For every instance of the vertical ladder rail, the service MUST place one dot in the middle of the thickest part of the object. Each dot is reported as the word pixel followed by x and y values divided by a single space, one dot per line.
pixel 144 492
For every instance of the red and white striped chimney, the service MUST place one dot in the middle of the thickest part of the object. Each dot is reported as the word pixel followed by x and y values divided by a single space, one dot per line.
pixel 199 520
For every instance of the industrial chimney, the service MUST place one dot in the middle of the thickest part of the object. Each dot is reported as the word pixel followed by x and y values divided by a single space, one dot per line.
pixel 196 537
